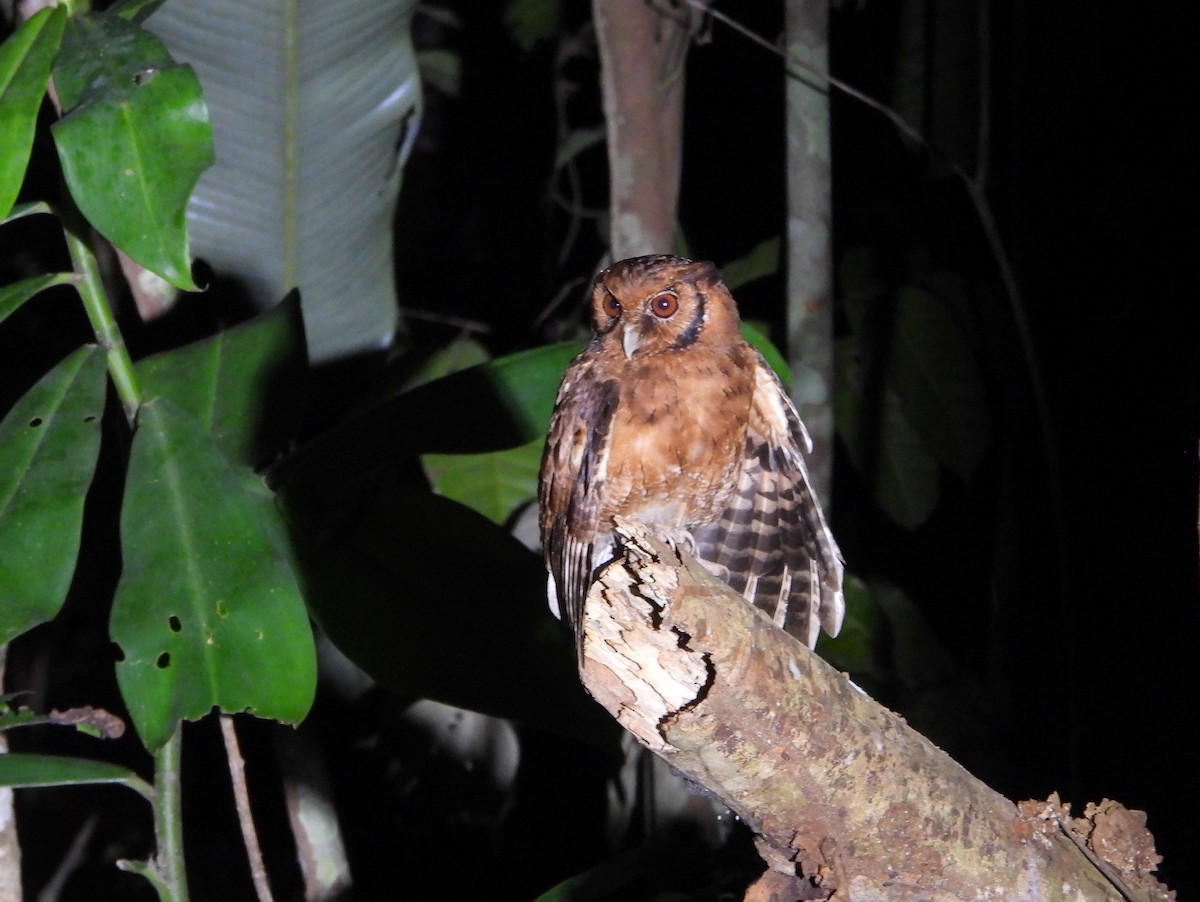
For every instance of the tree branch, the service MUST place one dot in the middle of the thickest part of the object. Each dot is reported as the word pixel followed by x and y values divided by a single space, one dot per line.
pixel 847 800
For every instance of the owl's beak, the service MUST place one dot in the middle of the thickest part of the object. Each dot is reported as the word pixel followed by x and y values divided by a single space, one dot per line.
pixel 631 339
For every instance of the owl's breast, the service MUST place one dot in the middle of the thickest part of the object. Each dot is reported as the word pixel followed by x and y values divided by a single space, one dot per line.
pixel 678 445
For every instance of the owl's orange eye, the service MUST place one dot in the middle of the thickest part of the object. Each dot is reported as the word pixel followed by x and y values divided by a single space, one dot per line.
pixel 665 305
pixel 611 306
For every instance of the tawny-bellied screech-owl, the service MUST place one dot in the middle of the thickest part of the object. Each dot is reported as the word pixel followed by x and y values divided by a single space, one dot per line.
pixel 669 417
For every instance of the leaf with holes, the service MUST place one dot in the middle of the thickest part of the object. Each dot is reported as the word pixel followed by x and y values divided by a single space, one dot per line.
pixel 25 60
pixel 208 612
pixel 134 141
pixel 48 447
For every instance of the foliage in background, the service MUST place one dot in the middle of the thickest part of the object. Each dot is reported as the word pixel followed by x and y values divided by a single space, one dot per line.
pixel 208 612
pixel 314 114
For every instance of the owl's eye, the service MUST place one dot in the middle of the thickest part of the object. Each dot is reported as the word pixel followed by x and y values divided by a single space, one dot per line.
pixel 665 305
pixel 611 306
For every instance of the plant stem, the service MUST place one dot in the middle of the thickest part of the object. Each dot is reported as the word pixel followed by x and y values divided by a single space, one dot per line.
pixel 168 821
pixel 241 796
pixel 99 311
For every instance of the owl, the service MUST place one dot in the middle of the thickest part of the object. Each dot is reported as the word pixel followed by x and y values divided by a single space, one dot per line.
pixel 669 417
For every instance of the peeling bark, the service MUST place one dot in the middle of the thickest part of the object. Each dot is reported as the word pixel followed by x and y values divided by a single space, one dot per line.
pixel 847 801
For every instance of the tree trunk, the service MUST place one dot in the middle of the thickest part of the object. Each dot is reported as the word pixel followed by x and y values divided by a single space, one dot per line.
pixel 810 258
pixel 641 73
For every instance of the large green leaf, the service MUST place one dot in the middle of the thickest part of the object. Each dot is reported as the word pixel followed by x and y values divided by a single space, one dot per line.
pixel 462 353
pixel 494 484
pixel 22 770
pixel 14 295
pixel 207 612
pixel 936 378
pixel 497 405
pixel 310 101
pixel 434 601
pixel 242 385
pixel 882 444
pixel 25 60
pixel 134 140
pixel 48 447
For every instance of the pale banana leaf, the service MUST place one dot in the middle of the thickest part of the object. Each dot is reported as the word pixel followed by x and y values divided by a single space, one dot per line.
pixel 314 106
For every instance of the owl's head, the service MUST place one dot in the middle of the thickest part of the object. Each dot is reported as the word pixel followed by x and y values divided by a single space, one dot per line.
pixel 649 305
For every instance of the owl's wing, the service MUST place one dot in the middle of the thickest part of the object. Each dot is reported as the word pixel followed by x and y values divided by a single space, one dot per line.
pixel 571 485
pixel 773 540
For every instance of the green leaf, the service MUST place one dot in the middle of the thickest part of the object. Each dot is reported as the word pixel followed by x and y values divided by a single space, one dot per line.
pixel 936 378
pixel 21 210
pixel 314 109
pixel 242 385
pixel 49 442
pixel 882 444
pixel 757 337
pixel 21 717
pixel 460 354
pixel 493 484
pixel 576 142
pixel 207 612
pixel 135 10
pixel 441 70
pixel 762 260
pixel 134 140
pixel 19 770
pixel 14 295
pixel 25 60
pixel 906 475
pixel 530 21
pixel 919 659
pixel 455 613
pixel 499 404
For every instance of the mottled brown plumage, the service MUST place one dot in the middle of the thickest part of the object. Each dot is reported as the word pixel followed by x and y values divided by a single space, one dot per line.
pixel 669 417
